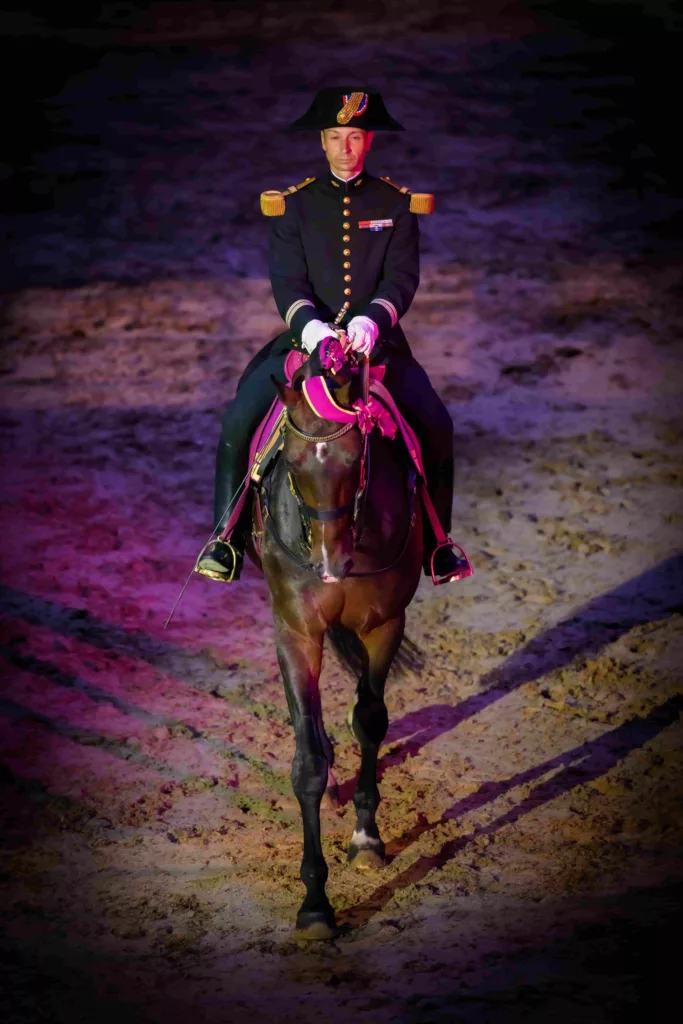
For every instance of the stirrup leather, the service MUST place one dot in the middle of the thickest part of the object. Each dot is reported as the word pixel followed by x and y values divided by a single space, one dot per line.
pixel 223 577
pixel 452 577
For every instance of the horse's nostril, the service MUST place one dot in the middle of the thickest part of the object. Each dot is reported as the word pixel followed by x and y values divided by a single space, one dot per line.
pixel 348 566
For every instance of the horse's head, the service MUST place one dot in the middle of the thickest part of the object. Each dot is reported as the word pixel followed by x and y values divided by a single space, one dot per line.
pixel 324 458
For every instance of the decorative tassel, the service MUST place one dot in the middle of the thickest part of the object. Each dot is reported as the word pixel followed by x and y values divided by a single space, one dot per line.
pixel 272 203
pixel 421 202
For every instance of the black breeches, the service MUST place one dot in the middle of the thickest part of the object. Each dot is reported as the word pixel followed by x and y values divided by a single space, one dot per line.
pixel 405 379
pixel 255 393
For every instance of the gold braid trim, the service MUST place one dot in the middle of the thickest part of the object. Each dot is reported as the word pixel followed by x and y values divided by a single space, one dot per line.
pixel 420 202
pixel 401 188
pixel 273 202
pixel 350 107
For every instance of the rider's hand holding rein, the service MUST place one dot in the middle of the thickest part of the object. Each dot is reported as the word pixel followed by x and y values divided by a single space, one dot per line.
pixel 313 333
pixel 362 332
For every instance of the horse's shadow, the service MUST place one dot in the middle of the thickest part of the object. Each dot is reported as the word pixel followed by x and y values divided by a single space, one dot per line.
pixel 655 594
pixel 573 768
pixel 191 669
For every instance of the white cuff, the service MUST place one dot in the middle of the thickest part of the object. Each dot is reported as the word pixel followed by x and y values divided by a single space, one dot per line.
pixel 295 307
pixel 390 308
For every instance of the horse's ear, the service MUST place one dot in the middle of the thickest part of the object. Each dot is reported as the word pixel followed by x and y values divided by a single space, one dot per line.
pixel 290 398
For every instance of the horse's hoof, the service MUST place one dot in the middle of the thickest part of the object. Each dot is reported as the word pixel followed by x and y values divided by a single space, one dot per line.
pixel 315 925
pixel 367 859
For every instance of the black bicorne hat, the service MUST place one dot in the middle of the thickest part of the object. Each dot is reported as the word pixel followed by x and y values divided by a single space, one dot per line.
pixel 352 107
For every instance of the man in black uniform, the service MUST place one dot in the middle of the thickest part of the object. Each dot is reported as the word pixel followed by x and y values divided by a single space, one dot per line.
pixel 344 241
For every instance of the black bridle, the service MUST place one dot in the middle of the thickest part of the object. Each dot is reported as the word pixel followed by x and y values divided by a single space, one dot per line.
pixel 330 515
pixel 356 506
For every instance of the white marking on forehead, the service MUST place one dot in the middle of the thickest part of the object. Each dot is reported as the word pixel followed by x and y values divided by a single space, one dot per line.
pixel 320 452
pixel 326 564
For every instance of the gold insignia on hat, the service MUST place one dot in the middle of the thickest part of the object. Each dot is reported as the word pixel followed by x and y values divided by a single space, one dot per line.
pixel 352 103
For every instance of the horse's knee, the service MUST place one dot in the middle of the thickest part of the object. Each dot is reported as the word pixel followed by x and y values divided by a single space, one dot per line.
pixel 370 721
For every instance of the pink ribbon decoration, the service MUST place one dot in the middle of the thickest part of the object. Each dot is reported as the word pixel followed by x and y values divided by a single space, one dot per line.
pixel 366 421
pixel 332 355
pixel 370 415
pixel 375 415
pixel 384 420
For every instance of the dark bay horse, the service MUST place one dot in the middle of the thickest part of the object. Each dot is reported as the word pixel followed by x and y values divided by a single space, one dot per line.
pixel 340 531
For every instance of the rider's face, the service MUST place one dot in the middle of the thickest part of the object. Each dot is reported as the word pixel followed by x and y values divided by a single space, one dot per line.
pixel 345 149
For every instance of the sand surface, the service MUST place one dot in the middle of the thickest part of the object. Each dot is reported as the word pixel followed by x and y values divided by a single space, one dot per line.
pixel 531 777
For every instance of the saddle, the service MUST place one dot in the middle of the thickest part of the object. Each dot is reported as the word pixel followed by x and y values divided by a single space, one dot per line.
pixel 379 410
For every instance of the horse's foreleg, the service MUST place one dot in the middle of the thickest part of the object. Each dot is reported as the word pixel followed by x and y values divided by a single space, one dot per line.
pixel 300 658
pixel 369 724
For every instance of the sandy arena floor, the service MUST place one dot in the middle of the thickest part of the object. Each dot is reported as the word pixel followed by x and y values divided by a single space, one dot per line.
pixel 531 778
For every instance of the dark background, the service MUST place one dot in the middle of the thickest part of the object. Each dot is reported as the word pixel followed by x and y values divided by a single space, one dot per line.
pixel 99 102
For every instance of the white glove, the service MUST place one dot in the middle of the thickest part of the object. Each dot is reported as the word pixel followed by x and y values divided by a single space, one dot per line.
pixel 313 333
pixel 362 332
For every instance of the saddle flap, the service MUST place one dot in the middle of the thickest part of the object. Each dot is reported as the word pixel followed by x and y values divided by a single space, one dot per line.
pixel 264 446
pixel 407 433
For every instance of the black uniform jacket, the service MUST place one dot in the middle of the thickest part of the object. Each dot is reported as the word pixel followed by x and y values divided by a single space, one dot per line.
pixel 338 242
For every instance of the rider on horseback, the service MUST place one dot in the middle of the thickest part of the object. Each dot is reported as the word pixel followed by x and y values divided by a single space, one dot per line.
pixel 344 249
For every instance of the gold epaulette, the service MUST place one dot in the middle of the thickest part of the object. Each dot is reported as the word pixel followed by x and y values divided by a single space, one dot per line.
pixel 420 202
pixel 273 202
